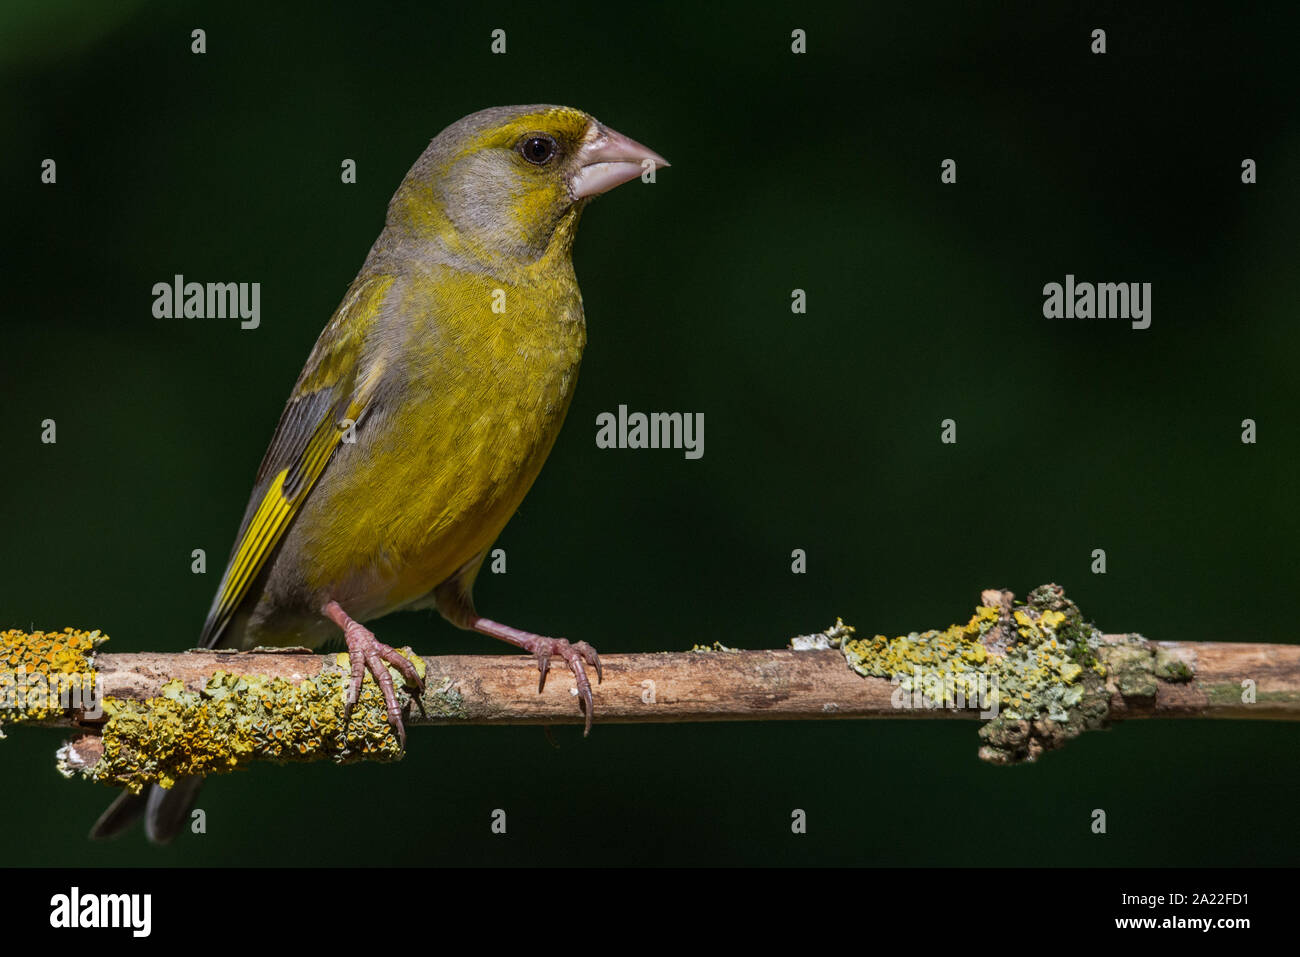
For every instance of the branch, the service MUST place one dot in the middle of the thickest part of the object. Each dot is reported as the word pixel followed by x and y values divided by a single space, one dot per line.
pixel 1036 672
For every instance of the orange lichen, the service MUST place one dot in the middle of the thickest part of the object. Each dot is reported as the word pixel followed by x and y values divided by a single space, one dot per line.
pixel 43 673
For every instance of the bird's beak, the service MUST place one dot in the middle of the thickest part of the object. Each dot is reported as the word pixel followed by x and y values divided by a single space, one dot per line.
pixel 607 159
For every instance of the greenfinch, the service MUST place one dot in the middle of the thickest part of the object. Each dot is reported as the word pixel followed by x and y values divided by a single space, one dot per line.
pixel 424 412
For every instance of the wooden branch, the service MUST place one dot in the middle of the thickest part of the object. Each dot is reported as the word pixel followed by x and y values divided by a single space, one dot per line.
pixel 708 686
pixel 157 717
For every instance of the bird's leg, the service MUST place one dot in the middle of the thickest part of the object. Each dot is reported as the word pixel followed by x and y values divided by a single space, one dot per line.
pixel 366 652
pixel 542 648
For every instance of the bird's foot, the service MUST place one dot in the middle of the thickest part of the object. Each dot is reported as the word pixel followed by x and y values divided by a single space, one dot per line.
pixel 368 653
pixel 577 655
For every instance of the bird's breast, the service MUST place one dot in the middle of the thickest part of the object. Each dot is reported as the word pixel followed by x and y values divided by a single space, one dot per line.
pixel 481 384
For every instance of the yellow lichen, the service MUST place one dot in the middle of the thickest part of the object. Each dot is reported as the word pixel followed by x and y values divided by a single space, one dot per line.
pixel 43 673
pixel 234 719
pixel 182 732
pixel 1036 663
pixel 716 646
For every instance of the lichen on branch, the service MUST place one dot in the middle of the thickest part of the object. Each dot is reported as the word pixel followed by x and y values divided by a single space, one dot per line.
pixel 44 673
pixel 235 719
pixel 1038 673
pixel 1036 669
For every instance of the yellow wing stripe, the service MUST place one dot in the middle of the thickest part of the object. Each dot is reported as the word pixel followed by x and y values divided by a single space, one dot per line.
pixel 252 548
pixel 272 517
pixel 273 507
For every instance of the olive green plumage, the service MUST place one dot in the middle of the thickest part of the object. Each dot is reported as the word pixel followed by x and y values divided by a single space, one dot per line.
pixel 430 400
pixel 455 353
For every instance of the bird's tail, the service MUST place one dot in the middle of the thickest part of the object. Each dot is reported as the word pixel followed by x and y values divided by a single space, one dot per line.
pixel 165 811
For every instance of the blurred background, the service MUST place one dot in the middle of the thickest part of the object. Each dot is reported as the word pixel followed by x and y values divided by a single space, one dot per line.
pixel 818 172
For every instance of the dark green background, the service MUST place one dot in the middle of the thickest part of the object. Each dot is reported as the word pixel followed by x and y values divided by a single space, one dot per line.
pixel 822 431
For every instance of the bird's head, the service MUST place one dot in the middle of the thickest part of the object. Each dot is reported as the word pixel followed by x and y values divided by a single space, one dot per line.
pixel 505 186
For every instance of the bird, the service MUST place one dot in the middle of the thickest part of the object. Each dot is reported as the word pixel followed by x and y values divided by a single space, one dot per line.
pixel 423 413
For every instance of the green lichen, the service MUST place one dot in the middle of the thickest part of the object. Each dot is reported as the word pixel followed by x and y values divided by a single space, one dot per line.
pixel 1170 666
pixel 43 673
pixel 234 719
pixel 1037 667
pixel 1132 666
pixel 830 638
pixel 444 701
pixel 715 647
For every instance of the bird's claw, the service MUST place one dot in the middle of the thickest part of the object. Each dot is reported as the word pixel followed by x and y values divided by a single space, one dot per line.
pixel 367 653
pixel 574 654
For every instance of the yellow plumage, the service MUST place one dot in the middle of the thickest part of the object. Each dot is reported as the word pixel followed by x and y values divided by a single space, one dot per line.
pixel 427 406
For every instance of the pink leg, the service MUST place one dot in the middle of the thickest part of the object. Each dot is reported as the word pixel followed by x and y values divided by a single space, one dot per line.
pixel 542 647
pixel 367 653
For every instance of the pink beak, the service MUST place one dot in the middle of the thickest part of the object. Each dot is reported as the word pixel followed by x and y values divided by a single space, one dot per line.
pixel 608 159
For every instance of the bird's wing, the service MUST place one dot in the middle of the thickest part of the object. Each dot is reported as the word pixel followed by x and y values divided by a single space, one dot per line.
pixel 332 387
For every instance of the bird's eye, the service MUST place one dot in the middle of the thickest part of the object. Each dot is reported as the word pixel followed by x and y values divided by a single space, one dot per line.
pixel 537 149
